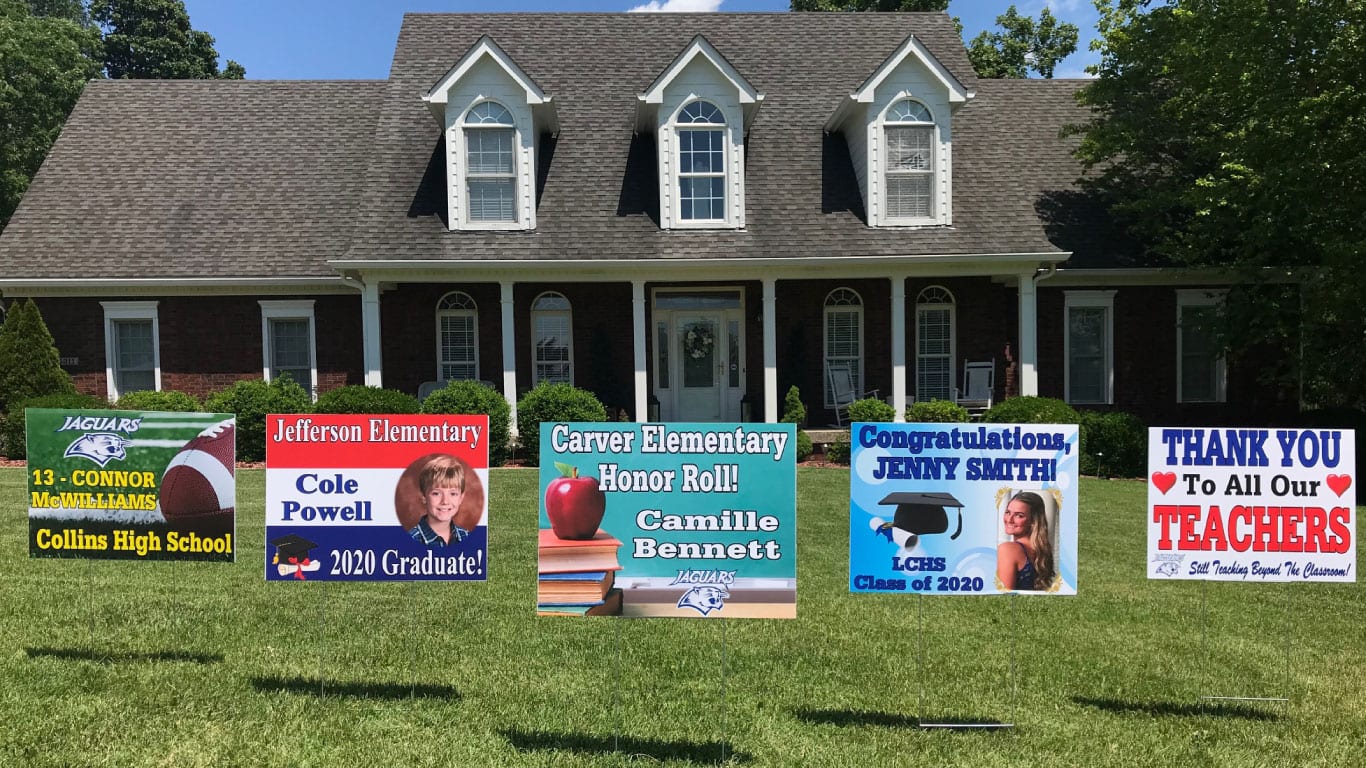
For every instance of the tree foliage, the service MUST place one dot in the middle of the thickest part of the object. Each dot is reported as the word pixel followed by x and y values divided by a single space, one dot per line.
pixel 1022 44
pixel 45 61
pixel 146 39
pixel 1228 134
pixel 49 49
pixel 870 5
pixel 29 363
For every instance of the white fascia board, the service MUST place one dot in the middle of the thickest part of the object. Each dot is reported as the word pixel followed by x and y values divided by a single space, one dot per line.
pixel 221 286
pixel 649 101
pixel 436 96
pixel 1141 276
pixel 688 269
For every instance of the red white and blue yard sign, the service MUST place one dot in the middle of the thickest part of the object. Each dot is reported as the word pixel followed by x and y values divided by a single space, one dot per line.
pixel 358 497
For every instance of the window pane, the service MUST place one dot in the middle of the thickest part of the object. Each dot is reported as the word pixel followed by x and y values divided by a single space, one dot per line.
pixel 934 345
pixel 932 378
pixel 489 150
pixel 733 334
pixel 702 198
pixel 134 340
pixel 843 332
pixel 552 346
pixel 1086 363
pixel 908 195
pixel 910 149
pixel 289 345
pixel 1199 355
pixel 457 347
pixel 134 381
pixel 491 200
pixel 662 351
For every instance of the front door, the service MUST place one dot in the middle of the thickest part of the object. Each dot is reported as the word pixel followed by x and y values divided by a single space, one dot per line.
pixel 699 338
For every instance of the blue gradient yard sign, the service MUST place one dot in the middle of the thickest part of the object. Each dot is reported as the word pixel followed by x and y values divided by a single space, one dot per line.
pixel 930 508
pixel 693 520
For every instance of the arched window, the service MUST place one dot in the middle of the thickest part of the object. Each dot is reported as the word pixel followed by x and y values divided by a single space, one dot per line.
pixel 909 161
pixel 934 339
pixel 552 339
pixel 490 163
pixel 843 342
pixel 701 132
pixel 457 337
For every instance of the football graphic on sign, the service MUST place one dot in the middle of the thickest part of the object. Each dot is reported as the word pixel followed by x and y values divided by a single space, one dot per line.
pixel 197 489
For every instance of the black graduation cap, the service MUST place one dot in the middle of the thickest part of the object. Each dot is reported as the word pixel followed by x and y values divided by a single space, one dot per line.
pixel 291 548
pixel 922 513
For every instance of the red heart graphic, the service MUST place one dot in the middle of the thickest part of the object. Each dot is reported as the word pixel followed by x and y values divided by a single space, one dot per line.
pixel 1339 483
pixel 1164 480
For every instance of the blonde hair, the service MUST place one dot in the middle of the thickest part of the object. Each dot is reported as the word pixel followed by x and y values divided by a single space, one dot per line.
pixel 442 471
pixel 1040 538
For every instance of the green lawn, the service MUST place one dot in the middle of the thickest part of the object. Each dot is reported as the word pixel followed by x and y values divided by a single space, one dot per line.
pixel 187 664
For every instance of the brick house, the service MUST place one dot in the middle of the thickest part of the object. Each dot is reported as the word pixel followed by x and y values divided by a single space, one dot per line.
pixel 684 213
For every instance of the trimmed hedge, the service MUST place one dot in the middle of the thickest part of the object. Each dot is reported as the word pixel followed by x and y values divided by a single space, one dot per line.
pixel 794 410
pixel 12 439
pixel 251 401
pixel 871 409
pixel 1120 439
pixel 1031 410
pixel 473 397
pixel 358 398
pixel 164 400
pixel 937 412
pixel 838 451
pixel 552 402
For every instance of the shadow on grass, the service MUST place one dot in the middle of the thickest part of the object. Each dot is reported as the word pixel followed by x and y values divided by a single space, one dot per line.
pixel 655 749
pixel 122 657
pixel 847 718
pixel 381 691
pixel 1173 709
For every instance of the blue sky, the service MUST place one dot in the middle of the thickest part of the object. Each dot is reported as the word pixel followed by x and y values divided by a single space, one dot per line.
pixel 341 39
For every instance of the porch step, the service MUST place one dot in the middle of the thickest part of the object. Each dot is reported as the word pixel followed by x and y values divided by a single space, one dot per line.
pixel 827 436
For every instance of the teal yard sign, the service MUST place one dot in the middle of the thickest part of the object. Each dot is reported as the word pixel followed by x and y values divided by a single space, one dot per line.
pixel 686 520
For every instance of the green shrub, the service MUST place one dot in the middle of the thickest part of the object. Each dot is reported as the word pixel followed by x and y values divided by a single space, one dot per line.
pixel 12 440
pixel 794 411
pixel 937 412
pixel 1116 444
pixel 871 409
pixel 1031 410
pixel 357 398
pixel 473 397
pixel 804 446
pixel 29 363
pixel 251 401
pixel 165 400
pixel 552 402
pixel 838 451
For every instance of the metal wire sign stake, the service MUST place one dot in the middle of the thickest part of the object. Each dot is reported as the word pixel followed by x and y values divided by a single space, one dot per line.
pixel 1207 651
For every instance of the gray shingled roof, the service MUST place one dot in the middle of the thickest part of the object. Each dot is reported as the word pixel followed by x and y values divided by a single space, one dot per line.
pixel 197 178
pixel 598 198
pixel 205 178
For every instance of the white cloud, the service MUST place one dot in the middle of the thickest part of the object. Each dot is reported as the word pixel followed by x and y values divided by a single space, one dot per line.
pixel 678 6
pixel 1062 7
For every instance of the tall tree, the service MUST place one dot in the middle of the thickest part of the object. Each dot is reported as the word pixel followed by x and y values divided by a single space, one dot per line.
pixel 45 61
pixel 1022 44
pixel 154 39
pixel 29 363
pixel 1228 133
pixel 870 5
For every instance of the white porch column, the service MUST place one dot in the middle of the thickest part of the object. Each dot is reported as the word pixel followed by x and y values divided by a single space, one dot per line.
pixel 642 377
pixel 770 351
pixel 370 334
pixel 899 346
pixel 509 351
pixel 1029 336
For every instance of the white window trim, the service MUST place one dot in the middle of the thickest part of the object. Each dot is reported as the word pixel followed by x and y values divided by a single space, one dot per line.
pixel 520 160
pixel 733 154
pixel 826 309
pixel 1106 301
pixel 952 306
pixel 941 190
pixel 301 309
pixel 569 316
pixel 474 313
pixel 1198 297
pixel 129 310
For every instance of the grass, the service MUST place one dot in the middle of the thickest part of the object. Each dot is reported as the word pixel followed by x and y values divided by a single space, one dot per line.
pixel 188 664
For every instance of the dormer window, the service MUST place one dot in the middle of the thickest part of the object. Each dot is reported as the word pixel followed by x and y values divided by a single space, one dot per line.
pixel 490 163
pixel 909 174
pixel 701 163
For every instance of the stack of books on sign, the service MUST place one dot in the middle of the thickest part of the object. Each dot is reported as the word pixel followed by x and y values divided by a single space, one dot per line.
pixel 576 577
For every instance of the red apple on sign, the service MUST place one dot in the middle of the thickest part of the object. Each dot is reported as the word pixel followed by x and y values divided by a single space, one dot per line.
pixel 574 504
